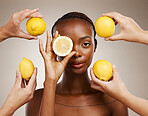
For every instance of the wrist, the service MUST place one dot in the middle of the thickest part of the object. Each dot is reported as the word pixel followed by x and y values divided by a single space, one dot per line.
pixel 3 33
pixel 142 37
pixel 125 96
pixel 50 82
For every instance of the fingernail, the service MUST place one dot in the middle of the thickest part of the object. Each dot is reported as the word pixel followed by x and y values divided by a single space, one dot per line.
pixel 106 39
pixel 114 66
pixel 37 8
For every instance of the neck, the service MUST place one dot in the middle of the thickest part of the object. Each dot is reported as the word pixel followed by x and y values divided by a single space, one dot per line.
pixel 74 83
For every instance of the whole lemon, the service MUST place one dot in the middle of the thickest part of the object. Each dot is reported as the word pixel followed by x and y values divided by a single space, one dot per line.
pixel 103 69
pixel 26 68
pixel 104 26
pixel 35 26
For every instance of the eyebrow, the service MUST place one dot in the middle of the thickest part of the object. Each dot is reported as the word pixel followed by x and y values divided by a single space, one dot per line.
pixel 85 37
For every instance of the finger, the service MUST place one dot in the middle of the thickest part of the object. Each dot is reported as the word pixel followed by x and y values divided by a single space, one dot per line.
pixel 36 14
pixel 27 13
pixel 66 59
pixel 97 87
pixel 117 16
pixel 55 35
pixel 18 79
pixel 96 80
pixel 41 48
pixel 48 42
pixel 26 36
pixel 115 73
pixel 114 37
pixel 34 86
pixel 32 80
pixel 23 83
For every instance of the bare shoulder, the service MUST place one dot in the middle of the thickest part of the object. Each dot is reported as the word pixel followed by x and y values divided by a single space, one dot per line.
pixel 33 105
pixel 117 108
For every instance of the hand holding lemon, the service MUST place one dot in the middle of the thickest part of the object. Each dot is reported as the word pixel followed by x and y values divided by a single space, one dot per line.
pixel 12 27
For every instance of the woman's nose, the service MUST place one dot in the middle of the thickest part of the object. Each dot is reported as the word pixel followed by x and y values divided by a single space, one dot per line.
pixel 77 50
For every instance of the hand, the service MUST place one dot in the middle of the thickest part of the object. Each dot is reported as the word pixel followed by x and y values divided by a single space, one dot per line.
pixel 53 68
pixel 115 87
pixel 12 28
pixel 130 30
pixel 20 94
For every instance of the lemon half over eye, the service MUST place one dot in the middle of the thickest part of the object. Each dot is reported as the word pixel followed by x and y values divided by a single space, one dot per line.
pixel 62 45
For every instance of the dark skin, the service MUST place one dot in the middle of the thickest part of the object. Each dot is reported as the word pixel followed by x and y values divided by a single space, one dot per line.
pixel 74 95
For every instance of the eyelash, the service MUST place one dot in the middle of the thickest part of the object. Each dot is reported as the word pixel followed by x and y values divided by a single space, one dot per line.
pixel 86 44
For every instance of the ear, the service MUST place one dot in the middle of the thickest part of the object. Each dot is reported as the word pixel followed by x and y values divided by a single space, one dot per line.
pixel 95 41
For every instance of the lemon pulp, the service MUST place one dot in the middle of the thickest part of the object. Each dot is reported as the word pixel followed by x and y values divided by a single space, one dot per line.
pixel 62 45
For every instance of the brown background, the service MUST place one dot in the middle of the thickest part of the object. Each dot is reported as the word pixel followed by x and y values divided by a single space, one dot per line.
pixel 131 59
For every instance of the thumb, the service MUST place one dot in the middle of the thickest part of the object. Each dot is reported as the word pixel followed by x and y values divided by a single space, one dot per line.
pixel 18 78
pixel 66 59
pixel 114 37
pixel 115 73
pixel 26 36
pixel 97 87
pixel 96 80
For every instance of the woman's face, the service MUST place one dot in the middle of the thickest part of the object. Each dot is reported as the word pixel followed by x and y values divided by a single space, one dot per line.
pixel 82 35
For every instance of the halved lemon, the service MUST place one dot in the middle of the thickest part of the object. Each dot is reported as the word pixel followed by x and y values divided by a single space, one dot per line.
pixel 62 46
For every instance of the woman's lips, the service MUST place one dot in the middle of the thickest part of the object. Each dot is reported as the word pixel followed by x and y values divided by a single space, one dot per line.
pixel 77 65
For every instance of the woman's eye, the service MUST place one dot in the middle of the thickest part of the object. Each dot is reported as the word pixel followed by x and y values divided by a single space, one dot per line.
pixel 86 44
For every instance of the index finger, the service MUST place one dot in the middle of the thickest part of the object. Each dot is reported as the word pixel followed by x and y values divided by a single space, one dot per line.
pixel 48 42
pixel 27 13
pixel 32 80
pixel 94 79
pixel 117 16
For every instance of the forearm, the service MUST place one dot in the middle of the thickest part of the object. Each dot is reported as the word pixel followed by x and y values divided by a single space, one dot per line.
pixel 143 37
pixel 48 100
pixel 3 34
pixel 6 110
pixel 136 104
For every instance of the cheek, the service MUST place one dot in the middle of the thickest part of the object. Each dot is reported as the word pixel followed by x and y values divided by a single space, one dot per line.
pixel 88 54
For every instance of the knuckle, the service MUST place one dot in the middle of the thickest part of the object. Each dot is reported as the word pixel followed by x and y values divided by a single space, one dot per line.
pixel 130 19
pixel 31 96
pixel 29 92
pixel 114 13
pixel 14 16
pixel 26 10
